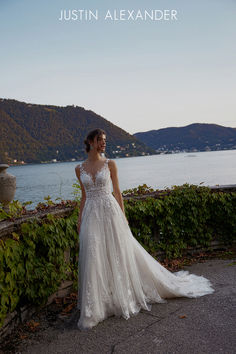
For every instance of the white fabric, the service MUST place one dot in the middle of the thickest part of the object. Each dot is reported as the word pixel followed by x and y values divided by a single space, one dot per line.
pixel 117 276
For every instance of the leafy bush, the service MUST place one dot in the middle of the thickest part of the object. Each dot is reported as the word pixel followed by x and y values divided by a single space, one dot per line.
pixel 182 217
pixel 32 262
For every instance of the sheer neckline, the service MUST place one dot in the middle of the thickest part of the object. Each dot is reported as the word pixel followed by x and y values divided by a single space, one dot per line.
pixel 93 177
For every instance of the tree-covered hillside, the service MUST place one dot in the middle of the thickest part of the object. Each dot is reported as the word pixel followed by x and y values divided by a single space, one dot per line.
pixel 193 137
pixel 38 133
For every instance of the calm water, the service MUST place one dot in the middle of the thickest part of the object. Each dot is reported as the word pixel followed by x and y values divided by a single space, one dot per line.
pixel 34 182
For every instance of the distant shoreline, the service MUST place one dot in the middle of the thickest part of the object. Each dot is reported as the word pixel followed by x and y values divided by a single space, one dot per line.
pixel 116 158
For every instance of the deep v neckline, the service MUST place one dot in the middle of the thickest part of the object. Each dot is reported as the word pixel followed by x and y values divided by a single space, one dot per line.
pixel 94 177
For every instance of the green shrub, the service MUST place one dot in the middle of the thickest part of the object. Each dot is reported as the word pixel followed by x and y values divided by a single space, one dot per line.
pixel 32 262
pixel 183 217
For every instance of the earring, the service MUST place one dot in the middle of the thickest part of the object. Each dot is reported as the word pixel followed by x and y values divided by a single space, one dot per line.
pixel 91 147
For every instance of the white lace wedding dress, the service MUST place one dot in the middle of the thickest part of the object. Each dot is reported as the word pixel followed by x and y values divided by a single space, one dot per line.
pixel 117 276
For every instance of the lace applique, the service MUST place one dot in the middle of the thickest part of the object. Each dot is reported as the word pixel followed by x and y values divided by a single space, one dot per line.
pixel 92 245
pixel 97 188
pixel 89 302
pixel 93 178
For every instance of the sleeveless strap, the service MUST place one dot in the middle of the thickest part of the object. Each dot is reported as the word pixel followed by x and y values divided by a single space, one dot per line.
pixel 81 167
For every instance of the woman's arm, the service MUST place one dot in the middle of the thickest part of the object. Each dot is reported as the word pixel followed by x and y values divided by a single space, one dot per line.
pixel 115 183
pixel 83 198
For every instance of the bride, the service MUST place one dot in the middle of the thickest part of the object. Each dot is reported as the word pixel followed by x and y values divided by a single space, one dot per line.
pixel 117 276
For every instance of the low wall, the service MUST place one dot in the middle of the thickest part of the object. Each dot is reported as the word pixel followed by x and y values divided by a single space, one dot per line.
pixel 218 188
pixel 24 313
pixel 9 226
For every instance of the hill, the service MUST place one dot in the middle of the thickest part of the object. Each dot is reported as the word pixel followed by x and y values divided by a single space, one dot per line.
pixel 193 137
pixel 36 133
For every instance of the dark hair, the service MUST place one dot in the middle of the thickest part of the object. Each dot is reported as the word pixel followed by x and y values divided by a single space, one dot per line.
pixel 90 137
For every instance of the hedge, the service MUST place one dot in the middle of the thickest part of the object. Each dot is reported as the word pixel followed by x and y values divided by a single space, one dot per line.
pixel 32 263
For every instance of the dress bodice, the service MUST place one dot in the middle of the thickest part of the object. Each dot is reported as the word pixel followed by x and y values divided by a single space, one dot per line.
pixel 98 185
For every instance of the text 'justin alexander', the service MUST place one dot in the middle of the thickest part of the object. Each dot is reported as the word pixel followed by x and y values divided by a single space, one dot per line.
pixel 118 15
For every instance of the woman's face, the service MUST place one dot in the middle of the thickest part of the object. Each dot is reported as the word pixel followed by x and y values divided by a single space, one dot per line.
pixel 99 143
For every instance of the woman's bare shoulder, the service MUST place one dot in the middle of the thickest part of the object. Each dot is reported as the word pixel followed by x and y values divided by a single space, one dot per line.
pixel 111 162
pixel 78 167
pixel 77 170
pixel 112 165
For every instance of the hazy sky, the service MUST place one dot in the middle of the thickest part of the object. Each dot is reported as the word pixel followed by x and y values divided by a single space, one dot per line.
pixel 140 75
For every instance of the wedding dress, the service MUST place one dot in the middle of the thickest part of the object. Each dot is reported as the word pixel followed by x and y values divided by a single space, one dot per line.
pixel 117 276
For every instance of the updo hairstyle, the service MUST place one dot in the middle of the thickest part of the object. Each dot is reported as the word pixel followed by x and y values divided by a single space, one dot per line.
pixel 90 137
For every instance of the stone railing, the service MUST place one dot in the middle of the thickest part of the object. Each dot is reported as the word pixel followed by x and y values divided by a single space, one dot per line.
pixel 8 226
pixel 224 188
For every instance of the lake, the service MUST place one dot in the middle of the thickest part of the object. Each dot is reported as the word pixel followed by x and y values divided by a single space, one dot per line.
pixel 35 181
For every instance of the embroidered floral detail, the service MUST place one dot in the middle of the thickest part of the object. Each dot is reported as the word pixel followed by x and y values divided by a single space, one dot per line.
pixel 89 302
pixel 117 275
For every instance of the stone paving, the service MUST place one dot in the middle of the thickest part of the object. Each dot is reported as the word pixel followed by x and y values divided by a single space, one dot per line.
pixel 182 325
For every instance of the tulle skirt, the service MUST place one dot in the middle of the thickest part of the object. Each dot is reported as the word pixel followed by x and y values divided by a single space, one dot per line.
pixel 117 276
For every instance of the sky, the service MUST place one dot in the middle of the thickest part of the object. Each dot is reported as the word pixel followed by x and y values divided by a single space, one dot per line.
pixel 140 75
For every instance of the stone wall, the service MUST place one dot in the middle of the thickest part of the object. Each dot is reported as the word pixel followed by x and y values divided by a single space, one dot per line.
pixel 8 226
pixel 24 313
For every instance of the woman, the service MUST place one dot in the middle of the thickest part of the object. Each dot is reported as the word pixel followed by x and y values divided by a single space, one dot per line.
pixel 117 276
